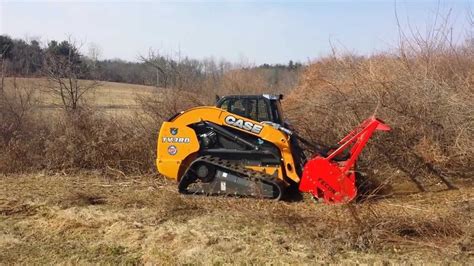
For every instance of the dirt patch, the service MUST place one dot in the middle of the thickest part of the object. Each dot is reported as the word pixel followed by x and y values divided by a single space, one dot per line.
pixel 84 199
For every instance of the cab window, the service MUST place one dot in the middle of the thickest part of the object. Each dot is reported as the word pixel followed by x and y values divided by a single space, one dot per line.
pixel 263 111
pixel 255 109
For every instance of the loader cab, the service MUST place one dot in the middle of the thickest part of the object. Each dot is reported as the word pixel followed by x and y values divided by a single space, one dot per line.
pixel 265 107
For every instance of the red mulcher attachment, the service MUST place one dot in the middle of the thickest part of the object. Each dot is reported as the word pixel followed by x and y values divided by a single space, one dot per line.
pixel 334 180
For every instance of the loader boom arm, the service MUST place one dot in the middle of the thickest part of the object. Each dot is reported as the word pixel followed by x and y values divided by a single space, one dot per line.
pixel 359 138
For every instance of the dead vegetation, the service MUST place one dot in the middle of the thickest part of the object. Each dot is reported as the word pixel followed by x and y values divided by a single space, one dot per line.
pixel 88 218
pixel 423 90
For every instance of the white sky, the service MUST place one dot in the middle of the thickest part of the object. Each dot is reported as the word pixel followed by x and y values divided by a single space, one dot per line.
pixel 259 32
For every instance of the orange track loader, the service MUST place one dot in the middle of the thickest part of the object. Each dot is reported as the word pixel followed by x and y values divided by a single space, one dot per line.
pixel 243 147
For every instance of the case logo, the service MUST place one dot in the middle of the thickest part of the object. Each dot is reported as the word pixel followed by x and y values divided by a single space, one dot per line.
pixel 173 131
pixel 245 125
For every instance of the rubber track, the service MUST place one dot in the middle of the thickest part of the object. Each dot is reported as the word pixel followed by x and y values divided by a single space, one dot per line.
pixel 239 170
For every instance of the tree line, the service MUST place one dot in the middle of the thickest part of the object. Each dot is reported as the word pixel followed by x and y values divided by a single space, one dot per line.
pixel 23 58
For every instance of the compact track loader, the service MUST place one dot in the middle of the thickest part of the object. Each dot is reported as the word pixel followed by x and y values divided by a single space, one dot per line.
pixel 243 147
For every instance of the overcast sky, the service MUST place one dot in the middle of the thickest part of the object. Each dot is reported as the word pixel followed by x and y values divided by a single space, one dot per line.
pixel 258 32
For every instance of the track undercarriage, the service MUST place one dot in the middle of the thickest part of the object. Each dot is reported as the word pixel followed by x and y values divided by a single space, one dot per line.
pixel 210 175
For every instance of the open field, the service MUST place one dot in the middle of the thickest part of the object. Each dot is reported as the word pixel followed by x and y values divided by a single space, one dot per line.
pixel 86 218
pixel 109 96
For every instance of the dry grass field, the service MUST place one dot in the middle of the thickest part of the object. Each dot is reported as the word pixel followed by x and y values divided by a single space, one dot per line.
pixel 89 218
pixel 111 97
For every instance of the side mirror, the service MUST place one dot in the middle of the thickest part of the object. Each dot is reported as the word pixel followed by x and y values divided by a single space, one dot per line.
pixel 217 98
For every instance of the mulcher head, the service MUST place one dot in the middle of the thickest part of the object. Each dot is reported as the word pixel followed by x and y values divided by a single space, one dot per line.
pixel 332 179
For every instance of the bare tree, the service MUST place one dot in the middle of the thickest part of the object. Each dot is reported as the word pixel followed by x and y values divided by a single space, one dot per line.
pixel 64 69
pixel 94 53
pixel 174 70
pixel 2 70
pixel 159 63
pixel 4 49
pixel 16 103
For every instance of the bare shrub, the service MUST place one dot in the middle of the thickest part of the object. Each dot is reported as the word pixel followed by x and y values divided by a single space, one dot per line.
pixel 72 142
pixel 243 81
pixel 16 105
pixel 90 140
pixel 423 91
pixel 164 103
pixel 20 129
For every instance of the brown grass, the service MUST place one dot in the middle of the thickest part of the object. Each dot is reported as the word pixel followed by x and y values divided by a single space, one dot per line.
pixel 111 96
pixel 89 218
